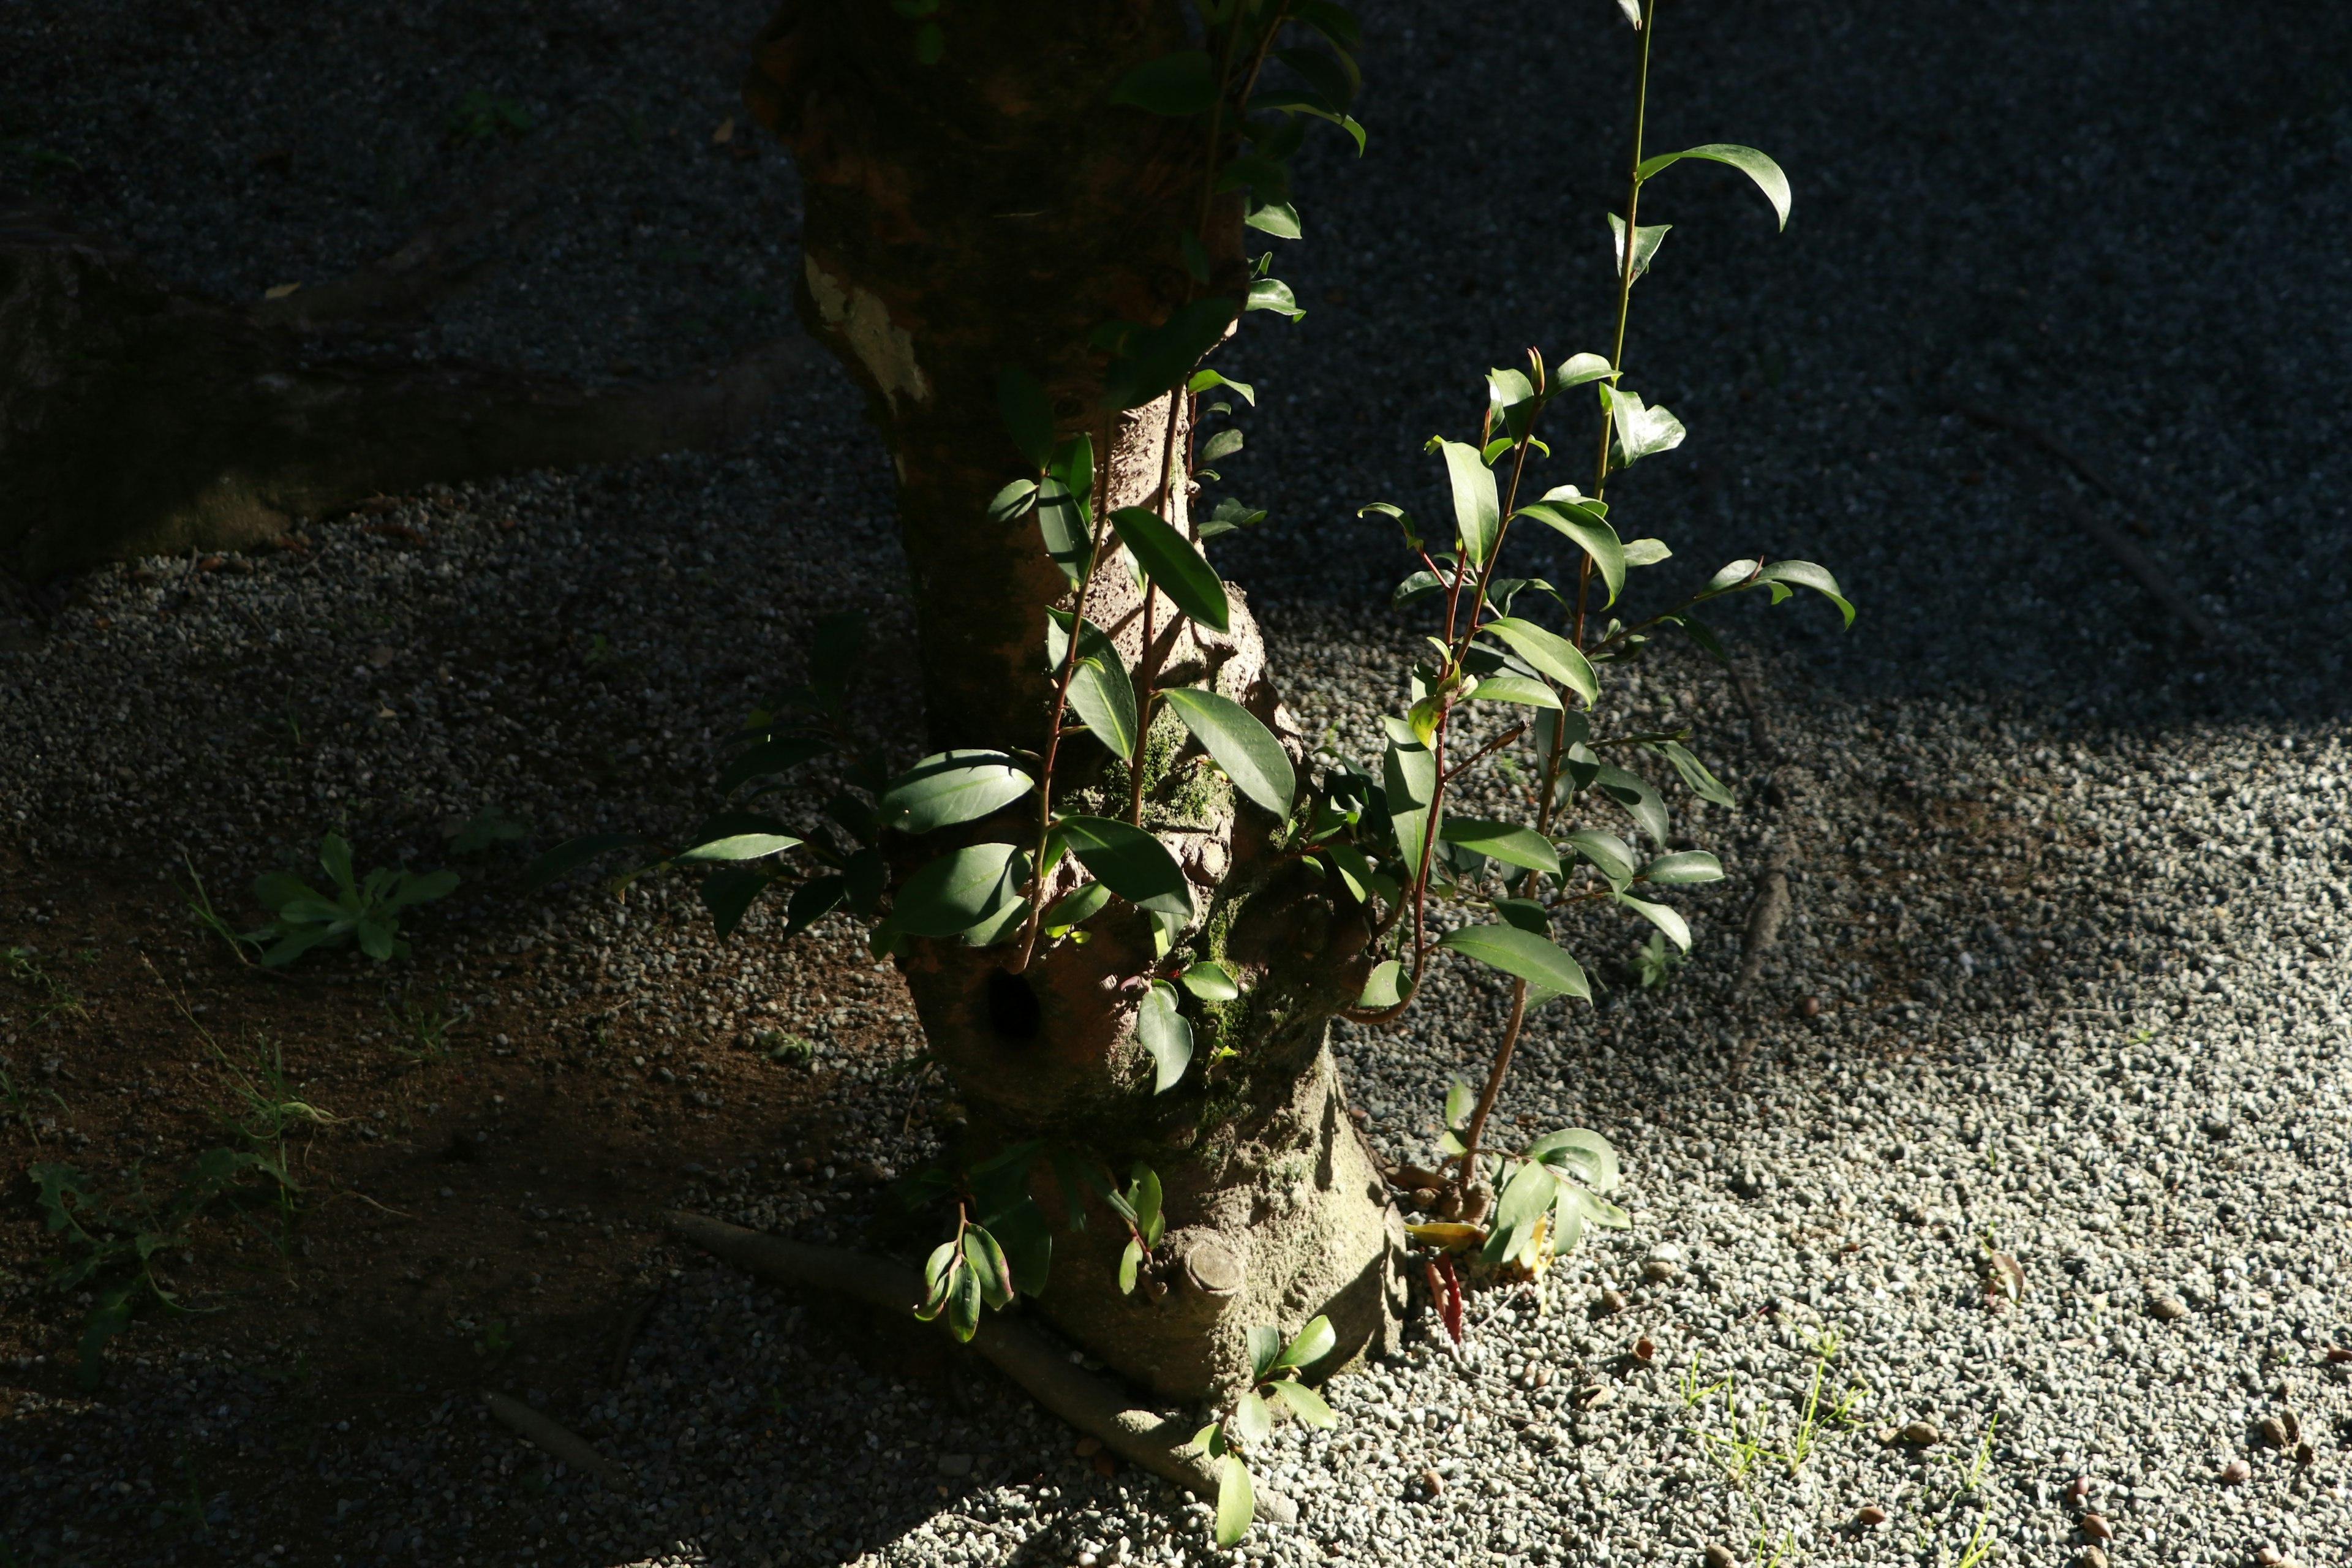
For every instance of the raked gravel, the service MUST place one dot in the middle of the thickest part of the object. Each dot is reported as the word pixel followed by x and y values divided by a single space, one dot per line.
pixel 2070 897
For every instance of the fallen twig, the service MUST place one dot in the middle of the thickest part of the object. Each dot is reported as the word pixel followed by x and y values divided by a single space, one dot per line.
pixel 1093 1405
pixel 559 1442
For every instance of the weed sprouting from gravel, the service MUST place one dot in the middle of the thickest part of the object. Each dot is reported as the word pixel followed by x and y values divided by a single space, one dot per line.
pixel 23 1102
pixel 56 998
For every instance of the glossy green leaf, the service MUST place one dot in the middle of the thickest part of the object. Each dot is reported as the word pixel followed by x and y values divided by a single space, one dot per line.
pixel 1460 1099
pixel 1409 778
pixel 963 1303
pixel 1520 954
pixel 1203 380
pixel 1577 369
pixel 1389 508
pixel 1767 174
pixel 1131 1261
pixel 1272 294
pixel 1075 907
pixel 1154 360
pixel 1211 982
pixel 1236 1504
pixel 1591 532
pixel 1683 867
pixel 1028 414
pixel 1700 782
pixel 1384 988
pixel 1645 243
pixel 1145 1195
pixel 959 889
pixel 939 1279
pixel 1583 1154
pixel 1279 219
pixel 951 787
pixel 1805 575
pixel 1224 443
pixel 1061 523
pixel 1310 1345
pixel 1641 431
pixel 1550 653
pixel 1646 552
pixel 728 894
pixel 1175 567
pixel 738 847
pixel 1241 744
pixel 1130 861
pixel 1635 795
pixel 1527 914
pixel 1167 1034
pixel 1581 1204
pixel 1515 689
pixel 811 902
pixel 1477 515
pixel 1505 841
pixel 1252 1422
pixel 1012 502
pixel 1102 693
pixel 1005 923
pixel 1179 84
pixel 1525 1197
pixel 1303 1402
pixel 1608 854
pixel 1666 919
pixel 986 1260
pixel 1264 1343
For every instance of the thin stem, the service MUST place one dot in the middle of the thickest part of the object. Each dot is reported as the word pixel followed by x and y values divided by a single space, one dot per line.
pixel 1143 713
pixel 1494 1083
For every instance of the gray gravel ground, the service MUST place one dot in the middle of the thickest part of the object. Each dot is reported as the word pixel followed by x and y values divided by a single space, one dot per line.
pixel 2071 897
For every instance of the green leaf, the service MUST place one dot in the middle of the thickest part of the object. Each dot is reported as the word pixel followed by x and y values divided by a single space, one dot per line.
pixel 1608 854
pixel 1131 862
pixel 1355 869
pixel 1646 552
pixel 1129 1260
pixel 1274 294
pixel 939 1279
pixel 1227 515
pixel 1155 359
pixel 1310 1345
pixel 1144 1196
pixel 951 787
pixel 1028 415
pixel 1701 783
pixel 1241 745
pixel 1164 1032
pixel 1236 1504
pixel 1505 841
pixel 1061 523
pixel 1684 867
pixel 335 859
pixel 1211 982
pixel 1178 84
pixel 1304 1402
pixel 1666 919
pixel 1075 907
pixel 1409 778
pixel 1203 380
pixel 1101 691
pixel 1252 1423
pixel 1477 515
pixel 1591 532
pixel 1646 240
pixel 1552 654
pixel 1527 914
pixel 1515 689
pixel 1583 1154
pixel 1389 508
pixel 1224 443
pixel 770 756
pixel 811 902
pixel 1279 219
pixel 1525 1197
pixel 1383 989
pixel 562 860
pixel 960 888
pixel 1264 1346
pixel 1520 954
pixel 1641 431
pixel 1805 575
pixel 738 847
pixel 415 889
pixel 1001 924
pixel 985 1258
pixel 963 1301
pixel 1460 1099
pixel 1175 567
pixel 1576 1202
pixel 1634 795
pixel 1577 369
pixel 1746 160
pixel 729 895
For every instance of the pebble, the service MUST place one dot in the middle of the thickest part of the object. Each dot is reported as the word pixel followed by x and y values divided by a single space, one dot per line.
pixel 1870 1516
pixel 1719 1555
pixel 1918 1434
pixel 2096 1527
pixel 2235 1473
pixel 2167 1307
pixel 2091 1557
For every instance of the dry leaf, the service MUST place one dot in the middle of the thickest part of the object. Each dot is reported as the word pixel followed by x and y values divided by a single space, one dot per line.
pixel 279 291
pixel 1447 1236
pixel 726 131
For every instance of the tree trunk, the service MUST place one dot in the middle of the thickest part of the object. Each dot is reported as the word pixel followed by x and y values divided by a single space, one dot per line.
pixel 987 211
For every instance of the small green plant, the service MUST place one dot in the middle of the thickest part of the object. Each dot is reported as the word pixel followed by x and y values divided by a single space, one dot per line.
pixel 780 1046
pixel 1547 1191
pixel 1655 963
pixel 482 115
pixel 1275 1368
pixel 423 1021
pixel 368 911
pixel 113 1239
pixel 200 911
pixel 486 828
pixel 496 1338
pixel 23 966
pixel 23 1104
pixel 266 1105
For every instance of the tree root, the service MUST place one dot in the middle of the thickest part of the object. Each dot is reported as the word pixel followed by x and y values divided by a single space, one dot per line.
pixel 1090 1403
pixel 559 1442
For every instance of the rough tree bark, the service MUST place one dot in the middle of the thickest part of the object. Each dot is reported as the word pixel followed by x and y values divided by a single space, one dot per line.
pixel 991 210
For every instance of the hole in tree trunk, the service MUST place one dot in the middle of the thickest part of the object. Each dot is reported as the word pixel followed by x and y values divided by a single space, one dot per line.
pixel 1013 1010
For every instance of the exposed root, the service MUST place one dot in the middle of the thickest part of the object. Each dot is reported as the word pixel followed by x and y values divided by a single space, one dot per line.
pixel 1090 1403
pixel 560 1443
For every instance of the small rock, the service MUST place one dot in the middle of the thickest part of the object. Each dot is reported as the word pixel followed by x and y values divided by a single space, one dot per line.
pixel 1870 1517
pixel 2275 1433
pixel 2167 1307
pixel 955 1464
pixel 1612 1301
pixel 2268 1557
pixel 1658 1271
pixel 2096 1528
pixel 1431 1482
pixel 1596 1395
pixel 1811 1007
pixel 2303 1455
pixel 2235 1472
pixel 2091 1557
pixel 1718 1556
pixel 2078 1488
pixel 1919 1434
pixel 2215 1125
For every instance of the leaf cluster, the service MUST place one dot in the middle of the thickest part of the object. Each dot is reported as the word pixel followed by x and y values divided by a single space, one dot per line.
pixel 1277 1368
pixel 366 911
